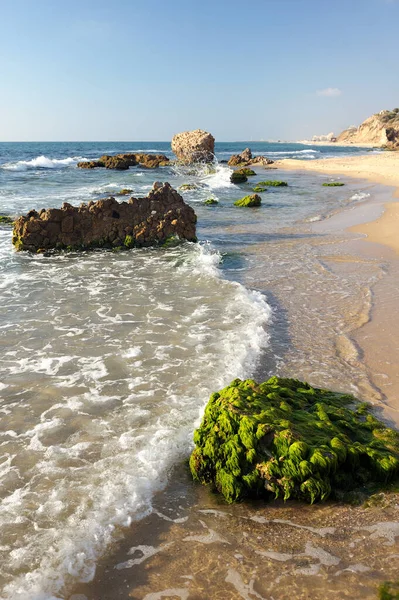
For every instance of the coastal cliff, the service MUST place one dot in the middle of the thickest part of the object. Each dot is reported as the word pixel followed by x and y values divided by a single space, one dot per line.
pixel 381 129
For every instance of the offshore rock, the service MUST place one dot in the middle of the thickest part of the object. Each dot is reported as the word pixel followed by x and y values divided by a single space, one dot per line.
pixel 108 224
pixel 250 201
pixel 194 146
pixel 122 162
pixel 245 159
pixel 284 438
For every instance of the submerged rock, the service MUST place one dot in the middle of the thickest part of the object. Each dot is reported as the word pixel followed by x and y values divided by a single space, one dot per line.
pixel 122 162
pixel 194 146
pixel 108 224
pixel 287 439
pixel 188 186
pixel 253 200
pixel 237 177
pixel 6 220
pixel 333 184
pixel 211 201
pixel 273 183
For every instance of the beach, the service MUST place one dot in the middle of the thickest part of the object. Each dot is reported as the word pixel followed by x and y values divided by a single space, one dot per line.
pixel 115 387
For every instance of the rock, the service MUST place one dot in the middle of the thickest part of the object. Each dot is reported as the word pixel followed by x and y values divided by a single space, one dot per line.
pixel 194 146
pixel 245 171
pixel 124 192
pixel 188 186
pixel 6 220
pixel 211 201
pixel 283 438
pixel 333 184
pixel 237 177
pixel 122 162
pixel 253 200
pixel 246 158
pixel 273 183
pixel 107 223
pixel 259 188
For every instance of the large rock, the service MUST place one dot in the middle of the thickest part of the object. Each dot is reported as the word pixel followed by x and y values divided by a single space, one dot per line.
pixel 245 158
pixel 108 223
pixel 194 146
pixel 122 162
pixel 285 438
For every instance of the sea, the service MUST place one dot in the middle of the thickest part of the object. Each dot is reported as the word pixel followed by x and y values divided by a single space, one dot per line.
pixel 108 359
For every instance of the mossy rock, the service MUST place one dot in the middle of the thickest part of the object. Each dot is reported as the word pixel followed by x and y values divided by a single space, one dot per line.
pixel 188 186
pixel 259 188
pixel 6 220
pixel 172 241
pixel 245 171
pixel 211 201
pixel 237 177
pixel 273 183
pixel 288 439
pixel 333 184
pixel 389 590
pixel 253 200
pixel 125 192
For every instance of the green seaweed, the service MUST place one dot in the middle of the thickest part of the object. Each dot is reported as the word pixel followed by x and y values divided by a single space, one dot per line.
pixel 6 220
pixel 188 186
pixel 253 200
pixel 288 439
pixel 259 188
pixel 237 177
pixel 333 184
pixel 211 201
pixel 129 241
pixel 273 183
pixel 389 590
pixel 245 171
pixel 171 241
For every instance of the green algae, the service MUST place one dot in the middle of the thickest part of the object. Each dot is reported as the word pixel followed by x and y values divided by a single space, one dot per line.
pixel 333 184
pixel 259 188
pixel 171 241
pixel 211 201
pixel 188 186
pixel 237 177
pixel 273 183
pixel 389 590
pixel 245 171
pixel 287 439
pixel 129 241
pixel 6 220
pixel 253 200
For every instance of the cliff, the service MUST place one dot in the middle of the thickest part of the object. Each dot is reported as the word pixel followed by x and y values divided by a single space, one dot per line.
pixel 381 129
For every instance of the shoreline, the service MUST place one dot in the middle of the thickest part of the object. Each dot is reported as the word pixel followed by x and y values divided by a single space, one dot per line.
pixel 381 168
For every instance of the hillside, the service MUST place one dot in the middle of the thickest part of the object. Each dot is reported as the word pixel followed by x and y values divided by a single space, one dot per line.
pixel 381 129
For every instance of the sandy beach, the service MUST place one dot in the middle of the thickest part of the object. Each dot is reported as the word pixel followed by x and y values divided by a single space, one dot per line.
pixel 380 168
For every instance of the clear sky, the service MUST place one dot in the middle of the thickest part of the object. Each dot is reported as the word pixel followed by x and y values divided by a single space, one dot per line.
pixel 144 70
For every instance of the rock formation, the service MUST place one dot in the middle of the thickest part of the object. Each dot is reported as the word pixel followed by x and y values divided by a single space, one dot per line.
pixel 107 223
pixel 284 438
pixel 381 129
pixel 249 201
pixel 122 162
pixel 194 146
pixel 245 159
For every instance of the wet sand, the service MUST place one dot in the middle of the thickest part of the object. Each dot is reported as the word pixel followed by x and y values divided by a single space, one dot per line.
pixel 195 547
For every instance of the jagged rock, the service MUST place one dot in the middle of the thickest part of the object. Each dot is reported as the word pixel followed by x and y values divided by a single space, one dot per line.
pixel 245 159
pixel 253 200
pixel 122 162
pixel 107 223
pixel 286 439
pixel 194 146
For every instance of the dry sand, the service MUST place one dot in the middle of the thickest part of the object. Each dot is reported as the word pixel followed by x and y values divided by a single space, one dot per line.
pixel 380 168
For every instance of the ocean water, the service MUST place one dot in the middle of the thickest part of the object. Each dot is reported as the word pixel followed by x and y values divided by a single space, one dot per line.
pixel 107 360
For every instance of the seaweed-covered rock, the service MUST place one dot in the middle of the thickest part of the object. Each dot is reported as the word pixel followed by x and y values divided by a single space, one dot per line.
pixel 188 186
pixel 237 177
pixel 211 201
pixel 273 183
pixel 245 171
pixel 6 220
pixel 288 439
pixel 253 200
pixel 121 162
pixel 333 184
pixel 108 224
pixel 194 146
pixel 389 590
pixel 259 188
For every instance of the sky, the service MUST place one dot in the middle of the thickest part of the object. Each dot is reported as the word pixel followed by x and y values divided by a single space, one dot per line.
pixel 132 70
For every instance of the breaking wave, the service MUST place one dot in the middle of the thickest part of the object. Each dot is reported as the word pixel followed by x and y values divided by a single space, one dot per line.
pixel 42 162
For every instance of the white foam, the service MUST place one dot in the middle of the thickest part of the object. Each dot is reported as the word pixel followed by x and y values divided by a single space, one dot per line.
pixel 43 162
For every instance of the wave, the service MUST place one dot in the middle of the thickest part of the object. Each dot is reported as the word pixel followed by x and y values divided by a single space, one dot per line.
pixel 198 334
pixel 42 162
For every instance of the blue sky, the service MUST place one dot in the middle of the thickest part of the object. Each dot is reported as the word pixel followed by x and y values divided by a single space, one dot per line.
pixel 137 70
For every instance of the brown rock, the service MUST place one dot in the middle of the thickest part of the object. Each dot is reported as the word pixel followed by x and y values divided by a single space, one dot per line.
pixel 108 223
pixel 246 159
pixel 122 162
pixel 194 146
